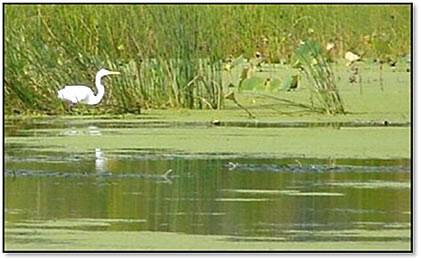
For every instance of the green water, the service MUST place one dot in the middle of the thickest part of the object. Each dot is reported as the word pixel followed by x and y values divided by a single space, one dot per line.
pixel 73 184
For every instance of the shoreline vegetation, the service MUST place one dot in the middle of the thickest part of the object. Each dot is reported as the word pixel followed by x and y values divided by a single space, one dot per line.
pixel 172 57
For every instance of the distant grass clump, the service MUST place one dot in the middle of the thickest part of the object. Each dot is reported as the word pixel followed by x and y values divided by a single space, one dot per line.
pixel 312 60
pixel 172 55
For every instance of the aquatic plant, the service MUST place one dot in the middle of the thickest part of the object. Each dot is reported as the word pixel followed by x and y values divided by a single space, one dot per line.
pixel 312 62
pixel 171 56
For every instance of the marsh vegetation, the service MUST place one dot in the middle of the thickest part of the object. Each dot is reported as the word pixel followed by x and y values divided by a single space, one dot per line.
pixel 188 56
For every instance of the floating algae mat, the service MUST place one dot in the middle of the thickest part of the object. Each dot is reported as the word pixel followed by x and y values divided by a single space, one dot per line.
pixel 202 137
pixel 155 184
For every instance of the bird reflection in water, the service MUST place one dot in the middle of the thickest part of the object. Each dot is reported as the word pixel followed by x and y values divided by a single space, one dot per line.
pixel 100 161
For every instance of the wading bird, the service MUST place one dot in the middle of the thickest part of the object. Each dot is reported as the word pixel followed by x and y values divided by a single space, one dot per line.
pixel 74 94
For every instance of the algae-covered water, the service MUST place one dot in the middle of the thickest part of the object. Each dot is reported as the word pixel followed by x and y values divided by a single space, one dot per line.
pixel 147 183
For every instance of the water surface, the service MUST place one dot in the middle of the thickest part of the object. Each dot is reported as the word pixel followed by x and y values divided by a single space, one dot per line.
pixel 54 198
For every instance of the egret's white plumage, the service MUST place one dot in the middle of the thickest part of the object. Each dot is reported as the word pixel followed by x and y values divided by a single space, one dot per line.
pixel 83 94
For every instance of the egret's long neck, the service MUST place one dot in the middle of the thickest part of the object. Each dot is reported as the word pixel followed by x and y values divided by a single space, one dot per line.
pixel 100 88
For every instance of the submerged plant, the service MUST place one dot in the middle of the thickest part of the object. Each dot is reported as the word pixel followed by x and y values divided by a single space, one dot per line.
pixel 313 63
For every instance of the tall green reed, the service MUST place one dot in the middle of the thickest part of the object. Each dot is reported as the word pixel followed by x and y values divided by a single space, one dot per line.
pixel 312 61
pixel 170 56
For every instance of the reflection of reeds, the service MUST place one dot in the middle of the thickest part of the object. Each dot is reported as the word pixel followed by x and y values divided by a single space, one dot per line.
pixel 314 65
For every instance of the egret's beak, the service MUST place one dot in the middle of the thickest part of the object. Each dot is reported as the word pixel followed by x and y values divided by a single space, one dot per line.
pixel 114 72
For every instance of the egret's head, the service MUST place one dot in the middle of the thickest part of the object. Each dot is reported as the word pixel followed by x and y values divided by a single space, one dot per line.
pixel 104 72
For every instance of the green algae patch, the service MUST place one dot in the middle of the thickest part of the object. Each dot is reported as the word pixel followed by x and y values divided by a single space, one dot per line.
pixel 368 142
pixel 73 240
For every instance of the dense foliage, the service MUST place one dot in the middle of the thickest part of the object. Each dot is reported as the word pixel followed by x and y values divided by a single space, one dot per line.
pixel 171 56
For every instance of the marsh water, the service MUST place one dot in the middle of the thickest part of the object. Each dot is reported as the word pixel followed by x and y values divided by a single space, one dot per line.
pixel 57 194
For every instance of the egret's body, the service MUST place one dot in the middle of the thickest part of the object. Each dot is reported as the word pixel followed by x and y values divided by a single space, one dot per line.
pixel 82 94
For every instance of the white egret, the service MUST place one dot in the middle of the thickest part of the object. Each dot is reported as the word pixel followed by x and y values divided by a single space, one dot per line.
pixel 82 94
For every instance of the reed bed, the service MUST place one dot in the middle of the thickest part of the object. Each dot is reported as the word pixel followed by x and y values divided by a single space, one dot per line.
pixel 311 59
pixel 172 55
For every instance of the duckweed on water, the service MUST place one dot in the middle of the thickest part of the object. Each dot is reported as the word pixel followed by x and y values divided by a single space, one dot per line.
pixel 114 240
pixel 277 142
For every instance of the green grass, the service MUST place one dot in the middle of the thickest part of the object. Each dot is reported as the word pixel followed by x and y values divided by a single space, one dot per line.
pixel 172 56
